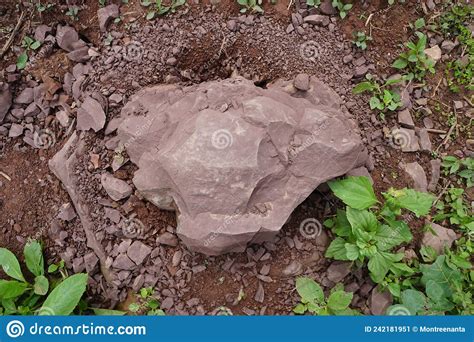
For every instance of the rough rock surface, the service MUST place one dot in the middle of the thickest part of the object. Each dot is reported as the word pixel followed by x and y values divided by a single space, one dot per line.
pixel 439 237
pixel 116 188
pixel 90 115
pixel 5 100
pixel 235 160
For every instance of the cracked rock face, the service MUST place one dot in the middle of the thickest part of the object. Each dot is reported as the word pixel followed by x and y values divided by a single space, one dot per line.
pixel 235 160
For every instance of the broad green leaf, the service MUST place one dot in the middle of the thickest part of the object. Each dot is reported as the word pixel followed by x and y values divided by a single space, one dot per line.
pixel 417 202
pixel 390 236
pixel 363 86
pixel 342 226
pixel 34 257
pixel 35 45
pixel 150 15
pixel 339 300
pixel 380 264
pixel 414 300
pixel 21 61
pixel 41 285
pixel 400 63
pixel 362 220
pixel 394 289
pixel 375 103
pixel 434 291
pixel 300 309
pixel 352 251
pixel 337 249
pixel 65 297
pixel 10 264
pixel 11 289
pixel 419 23
pixel 107 312
pixel 309 290
pixel 440 273
pixel 356 192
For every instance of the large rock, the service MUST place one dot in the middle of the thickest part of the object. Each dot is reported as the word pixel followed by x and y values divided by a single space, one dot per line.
pixel 233 159
pixel 5 100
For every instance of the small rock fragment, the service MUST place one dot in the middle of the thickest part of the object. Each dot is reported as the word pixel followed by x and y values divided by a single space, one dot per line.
pixel 405 119
pixel 338 270
pixel 116 188
pixel 380 301
pixel 138 251
pixel 90 115
pixel 434 53
pixel 439 237
pixel 301 82
pixel 167 239
pixel 106 15
pixel 417 174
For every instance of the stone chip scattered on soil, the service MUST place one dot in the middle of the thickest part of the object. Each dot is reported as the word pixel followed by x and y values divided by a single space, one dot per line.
pixel 90 115
pixel 116 188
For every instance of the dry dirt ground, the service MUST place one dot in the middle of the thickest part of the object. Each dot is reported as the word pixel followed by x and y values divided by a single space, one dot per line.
pixel 205 45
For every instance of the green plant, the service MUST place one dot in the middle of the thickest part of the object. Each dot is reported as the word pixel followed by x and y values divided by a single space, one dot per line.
pixel 73 12
pixel 146 303
pixel 160 9
pixel 383 98
pixel 102 3
pixel 313 301
pixel 341 7
pixel 361 40
pixel 445 286
pixel 455 209
pixel 363 234
pixel 463 168
pixel 454 24
pixel 415 60
pixel 43 7
pixel 42 297
pixel 250 6
pixel 27 44
pixel 313 3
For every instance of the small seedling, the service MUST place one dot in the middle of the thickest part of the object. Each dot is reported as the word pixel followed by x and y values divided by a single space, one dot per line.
pixel 254 6
pixel 146 303
pixel 415 59
pixel 383 98
pixel 341 7
pixel 160 9
pixel 313 3
pixel 73 12
pixel 43 7
pixel 361 40
pixel 28 44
